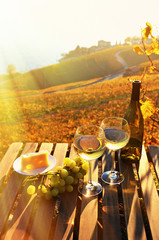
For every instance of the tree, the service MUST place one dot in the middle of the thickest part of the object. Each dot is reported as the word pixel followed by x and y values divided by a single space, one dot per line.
pixel 11 70
pixel 128 41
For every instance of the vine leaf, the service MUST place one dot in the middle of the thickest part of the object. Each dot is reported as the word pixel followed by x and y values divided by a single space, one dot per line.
pixel 155 46
pixel 138 50
pixel 151 69
pixel 147 108
pixel 147 31
pixel 149 51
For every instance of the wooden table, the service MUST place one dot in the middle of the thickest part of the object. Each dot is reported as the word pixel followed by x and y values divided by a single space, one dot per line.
pixel 127 211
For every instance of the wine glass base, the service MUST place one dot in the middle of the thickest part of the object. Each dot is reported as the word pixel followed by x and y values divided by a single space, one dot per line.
pixel 113 177
pixel 90 190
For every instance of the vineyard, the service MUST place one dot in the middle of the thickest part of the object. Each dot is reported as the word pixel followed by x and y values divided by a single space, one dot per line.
pixel 130 57
pixel 53 116
pixel 93 65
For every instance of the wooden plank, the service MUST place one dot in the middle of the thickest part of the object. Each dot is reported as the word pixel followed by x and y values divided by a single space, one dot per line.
pixel 111 217
pixel 88 228
pixel 60 153
pixel 150 195
pixel 88 220
pixel 46 146
pixel 154 153
pixel 11 190
pixel 9 158
pixel 133 215
pixel 8 197
pixel 45 209
pixel 6 201
pixel 17 227
pixel 30 147
pixel 65 221
pixel 22 214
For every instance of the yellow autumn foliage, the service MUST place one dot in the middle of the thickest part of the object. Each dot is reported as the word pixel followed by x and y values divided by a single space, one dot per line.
pixel 147 31
pixel 147 108
pixel 151 48
pixel 138 50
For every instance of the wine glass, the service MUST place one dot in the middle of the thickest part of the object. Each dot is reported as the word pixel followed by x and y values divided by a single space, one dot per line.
pixel 117 133
pixel 89 143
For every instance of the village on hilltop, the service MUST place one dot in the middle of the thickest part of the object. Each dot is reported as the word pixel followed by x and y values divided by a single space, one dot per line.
pixel 80 51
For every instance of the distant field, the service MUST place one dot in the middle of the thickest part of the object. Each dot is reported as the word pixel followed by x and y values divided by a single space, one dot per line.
pixel 54 117
pixel 5 94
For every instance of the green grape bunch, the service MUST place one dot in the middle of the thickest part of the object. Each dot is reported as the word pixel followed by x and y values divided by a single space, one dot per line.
pixel 62 180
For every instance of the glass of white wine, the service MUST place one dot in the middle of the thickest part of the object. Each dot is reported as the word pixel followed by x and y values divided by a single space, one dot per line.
pixel 89 143
pixel 117 133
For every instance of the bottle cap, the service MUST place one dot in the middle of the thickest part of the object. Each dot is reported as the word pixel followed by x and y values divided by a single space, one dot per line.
pixel 136 90
pixel 137 82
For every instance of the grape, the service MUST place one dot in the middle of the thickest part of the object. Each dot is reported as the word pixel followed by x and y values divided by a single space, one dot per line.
pixel 79 175
pixel 58 169
pixel 55 192
pixel 62 189
pixel 83 171
pixel 75 182
pixel 64 173
pixel 39 190
pixel 56 185
pixel 61 182
pixel 54 177
pixel 67 162
pixel 48 195
pixel 85 166
pixel 43 189
pixel 77 160
pixel 69 188
pixel 39 187
pixel 50 173
pixel 31 189
pixel 69 179
pixel 54 180
pixel 72 164
pixel 75 169
pixel 63 179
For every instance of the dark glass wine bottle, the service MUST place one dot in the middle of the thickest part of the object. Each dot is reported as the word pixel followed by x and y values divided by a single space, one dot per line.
pixel 132 151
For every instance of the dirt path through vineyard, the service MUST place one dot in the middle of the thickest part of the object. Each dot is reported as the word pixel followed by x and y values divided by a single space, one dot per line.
pixel 120 59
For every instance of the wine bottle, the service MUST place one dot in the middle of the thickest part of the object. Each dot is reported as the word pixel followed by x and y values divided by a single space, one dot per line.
pixel 132 151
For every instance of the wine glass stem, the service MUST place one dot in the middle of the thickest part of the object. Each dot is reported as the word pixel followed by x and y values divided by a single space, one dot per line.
pixel 90 173
pixel 113 161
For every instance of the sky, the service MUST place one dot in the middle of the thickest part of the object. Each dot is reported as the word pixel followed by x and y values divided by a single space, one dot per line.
pixel 34 33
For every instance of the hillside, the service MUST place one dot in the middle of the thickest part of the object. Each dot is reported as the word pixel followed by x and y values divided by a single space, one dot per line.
pixel 133 59
pixel 53 117
pixel 94 65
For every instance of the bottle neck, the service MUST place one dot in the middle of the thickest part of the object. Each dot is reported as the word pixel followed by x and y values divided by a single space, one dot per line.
pixel 135 96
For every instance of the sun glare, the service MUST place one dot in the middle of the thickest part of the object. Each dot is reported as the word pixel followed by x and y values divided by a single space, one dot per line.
pixel 36 33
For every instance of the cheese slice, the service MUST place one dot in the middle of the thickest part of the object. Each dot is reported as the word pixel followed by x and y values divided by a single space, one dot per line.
pixel 33 161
